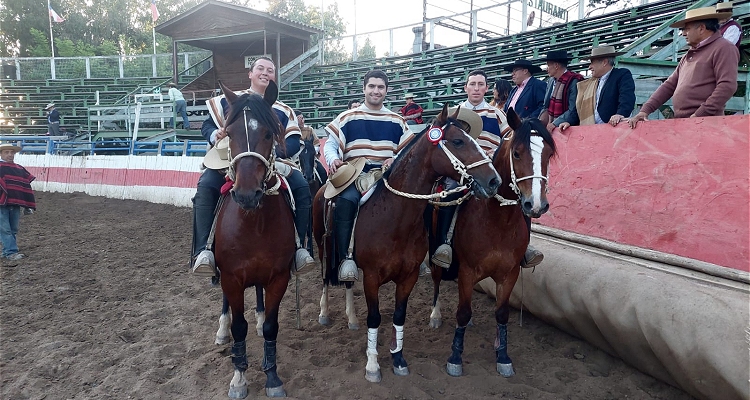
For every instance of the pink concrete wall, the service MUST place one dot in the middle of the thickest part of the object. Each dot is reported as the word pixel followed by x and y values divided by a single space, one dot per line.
pixel 676 186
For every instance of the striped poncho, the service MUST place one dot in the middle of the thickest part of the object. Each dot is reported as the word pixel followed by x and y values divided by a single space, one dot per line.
pixel 494 125
pixel 15 186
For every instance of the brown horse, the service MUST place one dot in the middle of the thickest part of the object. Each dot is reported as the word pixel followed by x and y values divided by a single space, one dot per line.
pixel 492 235
pixel 390 237
pixel 255 234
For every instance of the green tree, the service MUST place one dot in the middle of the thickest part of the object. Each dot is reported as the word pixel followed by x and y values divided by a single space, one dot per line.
pixel 367 51
pixel 39 44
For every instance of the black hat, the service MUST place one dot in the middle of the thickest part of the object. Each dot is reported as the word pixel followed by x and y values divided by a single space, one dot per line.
pixel 533 69
pixel 557 55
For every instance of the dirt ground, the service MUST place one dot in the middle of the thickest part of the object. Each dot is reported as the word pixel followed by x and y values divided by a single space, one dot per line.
pixel 104 307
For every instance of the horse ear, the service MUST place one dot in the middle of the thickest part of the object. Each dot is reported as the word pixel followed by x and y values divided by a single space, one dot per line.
pixel 228 93
pixel 272 93
pixel 443 116
pixel 514 121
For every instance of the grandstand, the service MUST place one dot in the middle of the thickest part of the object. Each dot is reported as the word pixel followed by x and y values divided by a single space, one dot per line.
pixel 116 110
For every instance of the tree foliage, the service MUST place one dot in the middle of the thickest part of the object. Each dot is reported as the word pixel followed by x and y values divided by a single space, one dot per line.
pixel 333 25
pixel 367 51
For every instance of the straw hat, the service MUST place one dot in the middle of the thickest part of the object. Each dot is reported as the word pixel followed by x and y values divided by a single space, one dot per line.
pixel 409 96
pixel 218 156
pixel 724 7
pixel 9 146
pixel 526 64
pixel 50 105
pixel 699 14
pixel 604 51
pixel 471 118
pixel 344 176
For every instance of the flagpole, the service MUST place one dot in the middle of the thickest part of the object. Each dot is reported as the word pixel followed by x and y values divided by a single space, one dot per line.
pixel 153 33
pixel 51 38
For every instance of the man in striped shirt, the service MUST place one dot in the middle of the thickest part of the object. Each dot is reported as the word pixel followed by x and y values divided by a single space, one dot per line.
pixel 370 131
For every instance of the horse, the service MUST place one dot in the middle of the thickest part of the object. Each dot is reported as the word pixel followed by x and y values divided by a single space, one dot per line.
pixel 492 235
pixel 390 238
pixel 255 234
pixel 308 164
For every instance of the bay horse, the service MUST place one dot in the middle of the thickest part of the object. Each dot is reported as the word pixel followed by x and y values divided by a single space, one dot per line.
pixel 390 237
pixel 491 235
pixel 255 234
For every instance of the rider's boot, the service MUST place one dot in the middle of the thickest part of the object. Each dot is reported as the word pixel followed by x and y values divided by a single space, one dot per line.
pixel 343 220
pixel 443 255
pixel 204 204
pixel 302 215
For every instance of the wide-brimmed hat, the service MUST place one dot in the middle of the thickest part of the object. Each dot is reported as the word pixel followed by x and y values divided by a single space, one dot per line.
pixel 533 69
pixel 50 105
pixel 9 146
pixel 408 95
pixel 699 14
pixel 603 51
pixel 557 55
pixel 471 118
pixel 218 156
pixel 724 7
pixel 344 176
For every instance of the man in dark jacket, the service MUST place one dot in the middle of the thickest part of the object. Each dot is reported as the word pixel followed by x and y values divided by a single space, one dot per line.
pixel 608 97
pixel 527 98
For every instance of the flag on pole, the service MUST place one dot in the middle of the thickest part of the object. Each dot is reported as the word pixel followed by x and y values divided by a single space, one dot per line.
pixel 55 17
pixel 154 11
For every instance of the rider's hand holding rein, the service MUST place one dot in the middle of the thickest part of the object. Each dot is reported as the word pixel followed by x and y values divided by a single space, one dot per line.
pixel 218 135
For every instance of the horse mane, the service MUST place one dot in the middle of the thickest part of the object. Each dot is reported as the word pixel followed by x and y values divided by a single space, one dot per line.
pixel 260 110
pixel 522 135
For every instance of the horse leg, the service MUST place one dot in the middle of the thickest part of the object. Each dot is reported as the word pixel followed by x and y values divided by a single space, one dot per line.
pixel 436 319
pixel 323 317
pixel 260 310
pixel 236 299
pixel 400 367
pixel 353 322
pixel 463 317
pixel 502 311
pixel 222 335
pixel 372 369
pixel 274 293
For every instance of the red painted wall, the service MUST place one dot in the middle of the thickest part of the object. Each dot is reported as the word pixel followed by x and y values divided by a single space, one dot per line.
pixel 676 186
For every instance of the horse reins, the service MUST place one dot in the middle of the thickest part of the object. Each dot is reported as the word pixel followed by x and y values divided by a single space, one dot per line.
pixel 269 162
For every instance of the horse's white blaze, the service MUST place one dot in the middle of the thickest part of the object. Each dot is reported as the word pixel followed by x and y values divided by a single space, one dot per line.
pixel 537 145
pixel 372 350
pixel 261 318
pixel 350 307
pixel 324 303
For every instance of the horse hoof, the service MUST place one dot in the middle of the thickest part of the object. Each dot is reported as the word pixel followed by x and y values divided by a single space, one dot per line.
pixel 276 392
pixel 471 322
pixel 353 327
pixel 324 320
pixel 238 392
pixel 222 339
pixel 454 369
pixel 401 371
pixel 373 377
pixel 505 370
pixel 435 323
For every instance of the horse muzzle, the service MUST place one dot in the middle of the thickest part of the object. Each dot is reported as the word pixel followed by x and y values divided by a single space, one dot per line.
pixel 487 189
pixel 248 200
pixel 533 210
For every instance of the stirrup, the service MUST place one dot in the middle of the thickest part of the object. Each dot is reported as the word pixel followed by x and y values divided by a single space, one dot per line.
pixel 532 257
pixel 348 271
pixel 443 256
pixel 302 259
pixel 204 264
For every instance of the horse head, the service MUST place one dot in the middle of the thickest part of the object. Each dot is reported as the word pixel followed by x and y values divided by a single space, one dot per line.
pixel 307 160
pixel 528 149
pixel 254 130
pixel 466 162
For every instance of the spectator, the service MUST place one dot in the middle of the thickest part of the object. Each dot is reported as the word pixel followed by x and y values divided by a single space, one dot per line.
pixel 500 93
pixel 527 98
pixel 262 72
pixel 706 76
pixel 180 106
pixel 729 28
pixel 352 104
pixel 560 98
pixel 16 194
pixel 607 97
pixel 411 112
pixel 367 140
pixel 53 120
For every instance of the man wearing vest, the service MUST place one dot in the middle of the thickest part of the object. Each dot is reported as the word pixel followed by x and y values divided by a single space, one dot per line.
pixel 560 98
pixel 608 97
pixel 706 77
pixel 728 27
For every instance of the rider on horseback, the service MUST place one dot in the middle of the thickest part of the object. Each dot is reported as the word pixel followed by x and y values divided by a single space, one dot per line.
pixel 208 192
pixel 371 132
pixel 495 127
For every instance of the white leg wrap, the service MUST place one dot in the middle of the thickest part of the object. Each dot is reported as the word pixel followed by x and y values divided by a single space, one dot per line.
pixel 324 302
pixel 222 335
pixel 436 311
pixel 350 307
pixel 397 343
pixel 372 350
pixel 238 380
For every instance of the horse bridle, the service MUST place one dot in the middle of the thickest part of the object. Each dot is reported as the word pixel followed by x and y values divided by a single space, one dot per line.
pixel 269 162
pixel 514 180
